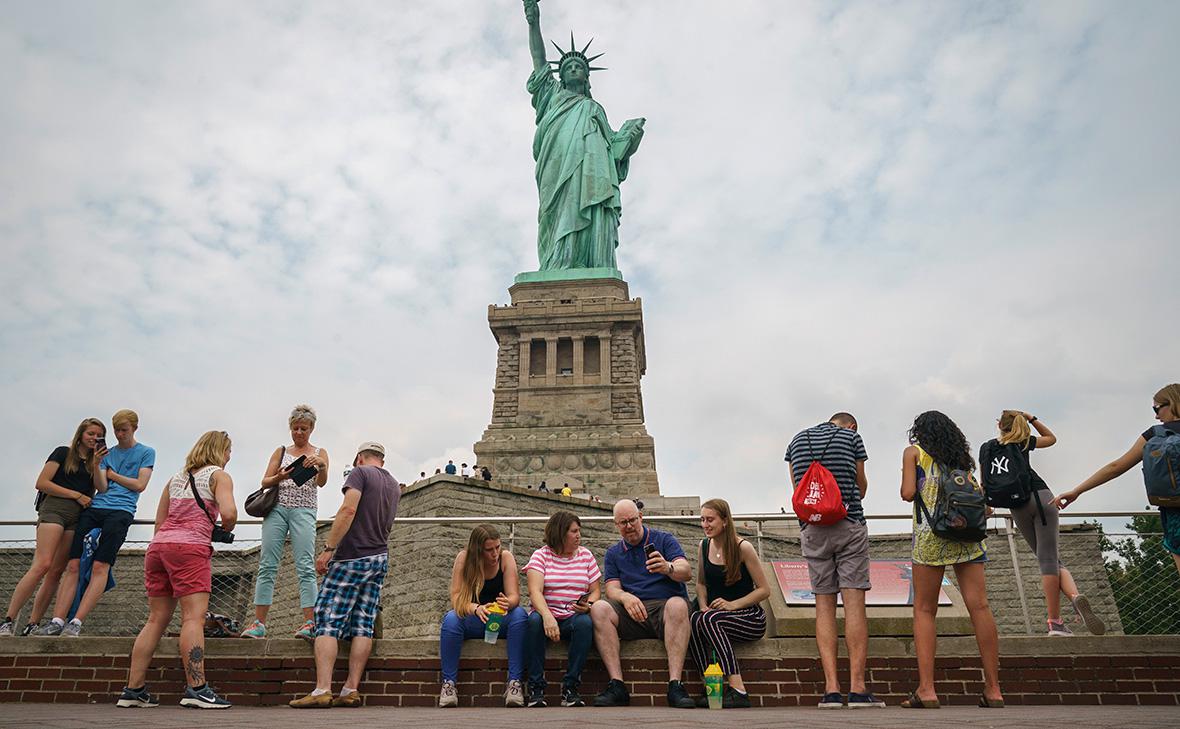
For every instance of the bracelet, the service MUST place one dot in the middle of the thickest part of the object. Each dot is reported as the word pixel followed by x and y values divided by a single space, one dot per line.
pixel 329 549
pixel 1033 419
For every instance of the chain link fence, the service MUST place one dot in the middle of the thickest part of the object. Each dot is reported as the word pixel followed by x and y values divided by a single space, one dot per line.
pixel 1143 577
pixel 1136 586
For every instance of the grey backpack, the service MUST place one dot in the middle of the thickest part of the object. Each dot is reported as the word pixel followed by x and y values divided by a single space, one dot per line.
pixel 1161 467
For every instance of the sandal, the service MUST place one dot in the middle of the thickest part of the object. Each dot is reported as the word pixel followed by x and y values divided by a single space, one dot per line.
pixel 986 703
pixel 913 702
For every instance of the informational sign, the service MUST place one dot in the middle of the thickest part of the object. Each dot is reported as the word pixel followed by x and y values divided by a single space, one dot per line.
pixel 892 582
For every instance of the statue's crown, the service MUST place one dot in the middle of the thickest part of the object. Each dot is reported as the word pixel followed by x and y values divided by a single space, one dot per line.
pixel 574 54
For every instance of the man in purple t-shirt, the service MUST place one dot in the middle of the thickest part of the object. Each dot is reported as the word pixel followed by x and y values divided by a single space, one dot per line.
pixel 354 563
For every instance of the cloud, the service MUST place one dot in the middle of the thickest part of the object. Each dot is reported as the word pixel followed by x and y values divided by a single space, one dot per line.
pixel 212 212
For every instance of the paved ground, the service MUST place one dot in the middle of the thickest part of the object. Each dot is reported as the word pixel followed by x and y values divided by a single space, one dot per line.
pixel 174 717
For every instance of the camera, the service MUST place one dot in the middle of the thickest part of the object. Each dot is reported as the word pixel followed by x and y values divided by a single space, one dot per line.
pixel 221 535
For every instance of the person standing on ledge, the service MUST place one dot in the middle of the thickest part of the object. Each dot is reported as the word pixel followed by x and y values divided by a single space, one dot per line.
pixel 580 161
pixel 354 562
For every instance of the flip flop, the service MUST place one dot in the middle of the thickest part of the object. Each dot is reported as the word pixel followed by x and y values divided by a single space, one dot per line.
pixel 913 702
pixel 986 703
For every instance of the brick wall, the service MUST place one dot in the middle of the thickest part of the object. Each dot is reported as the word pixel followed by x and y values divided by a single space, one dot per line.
pixel 781 672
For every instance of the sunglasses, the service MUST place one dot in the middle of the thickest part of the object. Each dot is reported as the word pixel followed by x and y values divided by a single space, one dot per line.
pixel 1157 408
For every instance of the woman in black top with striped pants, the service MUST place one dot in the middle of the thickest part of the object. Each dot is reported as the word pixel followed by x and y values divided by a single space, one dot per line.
pixel 730 587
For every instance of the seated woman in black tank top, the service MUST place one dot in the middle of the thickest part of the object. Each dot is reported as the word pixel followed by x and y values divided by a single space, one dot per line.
pixel 730 586
pixel 484 574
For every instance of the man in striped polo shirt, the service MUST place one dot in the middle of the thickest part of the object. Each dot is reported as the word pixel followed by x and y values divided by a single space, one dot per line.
pixel 838 554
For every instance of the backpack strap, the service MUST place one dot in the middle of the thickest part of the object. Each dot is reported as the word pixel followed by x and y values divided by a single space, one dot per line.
pixel 824 452
pixel 1036 494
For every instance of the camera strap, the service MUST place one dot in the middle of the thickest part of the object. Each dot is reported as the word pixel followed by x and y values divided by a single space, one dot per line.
pixel 197 495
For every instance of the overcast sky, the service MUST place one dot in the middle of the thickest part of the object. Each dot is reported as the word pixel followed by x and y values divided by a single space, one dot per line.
pixel 212 211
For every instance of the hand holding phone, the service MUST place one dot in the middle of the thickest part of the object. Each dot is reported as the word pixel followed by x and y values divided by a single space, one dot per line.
pixel 295 464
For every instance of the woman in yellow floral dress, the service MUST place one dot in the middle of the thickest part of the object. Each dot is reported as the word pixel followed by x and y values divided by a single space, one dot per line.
pixel 937 443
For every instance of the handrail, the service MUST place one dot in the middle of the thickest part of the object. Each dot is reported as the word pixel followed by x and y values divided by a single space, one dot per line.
pixel 649 518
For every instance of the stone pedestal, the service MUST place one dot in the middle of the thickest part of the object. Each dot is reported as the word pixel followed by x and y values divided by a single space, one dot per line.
pixel 567 400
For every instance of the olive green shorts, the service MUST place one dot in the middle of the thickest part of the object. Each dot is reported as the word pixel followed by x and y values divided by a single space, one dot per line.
pixel 56 510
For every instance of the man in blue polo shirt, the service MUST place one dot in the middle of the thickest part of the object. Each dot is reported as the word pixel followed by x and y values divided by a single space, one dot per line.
pixel 120 478
pixel 645 598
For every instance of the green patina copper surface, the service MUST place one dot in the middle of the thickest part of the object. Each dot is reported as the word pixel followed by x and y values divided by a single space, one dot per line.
pixel 568 274
pixel 580 162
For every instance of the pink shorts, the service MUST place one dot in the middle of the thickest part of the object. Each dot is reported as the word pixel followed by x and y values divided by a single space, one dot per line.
pixel 176 570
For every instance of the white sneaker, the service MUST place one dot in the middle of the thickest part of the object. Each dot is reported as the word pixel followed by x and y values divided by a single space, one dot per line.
pixel 448 697
pixel 514 694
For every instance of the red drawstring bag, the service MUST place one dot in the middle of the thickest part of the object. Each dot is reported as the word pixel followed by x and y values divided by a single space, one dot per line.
pixel 817 498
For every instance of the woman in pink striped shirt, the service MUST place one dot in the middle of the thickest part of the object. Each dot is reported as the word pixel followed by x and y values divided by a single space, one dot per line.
pixel 563 582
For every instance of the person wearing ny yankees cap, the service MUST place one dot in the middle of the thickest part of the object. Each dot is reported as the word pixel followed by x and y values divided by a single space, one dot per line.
pixel 354 561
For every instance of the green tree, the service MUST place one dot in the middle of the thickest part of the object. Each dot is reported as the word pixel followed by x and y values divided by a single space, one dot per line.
pixel 1143 577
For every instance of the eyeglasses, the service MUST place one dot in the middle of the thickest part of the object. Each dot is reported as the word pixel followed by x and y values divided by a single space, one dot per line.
pixel 628 522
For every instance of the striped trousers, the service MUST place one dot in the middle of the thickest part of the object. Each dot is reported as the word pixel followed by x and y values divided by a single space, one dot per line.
pixel 718 630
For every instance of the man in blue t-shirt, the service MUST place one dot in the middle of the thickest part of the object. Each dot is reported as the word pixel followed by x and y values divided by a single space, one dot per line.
pixel 645 598
pixel 121 477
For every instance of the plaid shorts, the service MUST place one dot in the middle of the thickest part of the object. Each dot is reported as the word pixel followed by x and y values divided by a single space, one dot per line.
pixel 349 597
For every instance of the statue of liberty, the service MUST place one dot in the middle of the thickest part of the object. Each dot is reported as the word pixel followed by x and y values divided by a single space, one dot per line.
pixel 580 161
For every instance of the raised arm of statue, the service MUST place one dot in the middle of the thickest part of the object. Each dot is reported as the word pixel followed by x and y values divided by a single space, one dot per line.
pixel 536 43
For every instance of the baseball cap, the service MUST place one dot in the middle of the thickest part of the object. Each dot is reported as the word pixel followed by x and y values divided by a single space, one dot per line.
pixel 370 446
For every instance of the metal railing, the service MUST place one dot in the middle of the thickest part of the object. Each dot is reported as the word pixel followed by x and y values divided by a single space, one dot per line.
pixel 1137 574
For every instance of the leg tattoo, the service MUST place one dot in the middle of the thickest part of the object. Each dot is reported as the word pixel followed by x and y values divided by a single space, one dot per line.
pixel 195 666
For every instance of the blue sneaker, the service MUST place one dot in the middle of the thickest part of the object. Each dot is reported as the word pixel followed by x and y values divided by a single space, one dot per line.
pixel 864 701
pixel 307 631
pixel 832 700
pixel 140 699
pixel 203 699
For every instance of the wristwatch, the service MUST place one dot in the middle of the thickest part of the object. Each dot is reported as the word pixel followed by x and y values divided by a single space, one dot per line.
pixel 329 549
pixel 1033 419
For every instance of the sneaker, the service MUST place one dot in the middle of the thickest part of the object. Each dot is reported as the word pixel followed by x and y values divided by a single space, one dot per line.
pixel 256 630
pixel 1093 623
pixel 306 632
pixel 1059 628
pixel 733 699
pixel 352 701
pixel 570 695
pixel 448 697
pixel 72 629
pixel 49 629
pixel 864 701
pixel 140 699
pixel 6 628
pixel 615 694
pixel 514 694
pixel 29 629
pixel 833 700
pixel 203 699
pixel 536 696
pixel 313 701
pixel 678 697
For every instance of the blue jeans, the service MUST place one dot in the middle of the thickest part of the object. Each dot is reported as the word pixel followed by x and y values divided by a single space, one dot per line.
pixel 577 629
pixel 300 523
pixel 455 630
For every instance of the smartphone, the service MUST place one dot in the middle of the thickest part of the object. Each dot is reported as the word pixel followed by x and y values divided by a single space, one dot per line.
pixel 649 549
pixel 295 464
pixel 100 444
pixel 585 598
